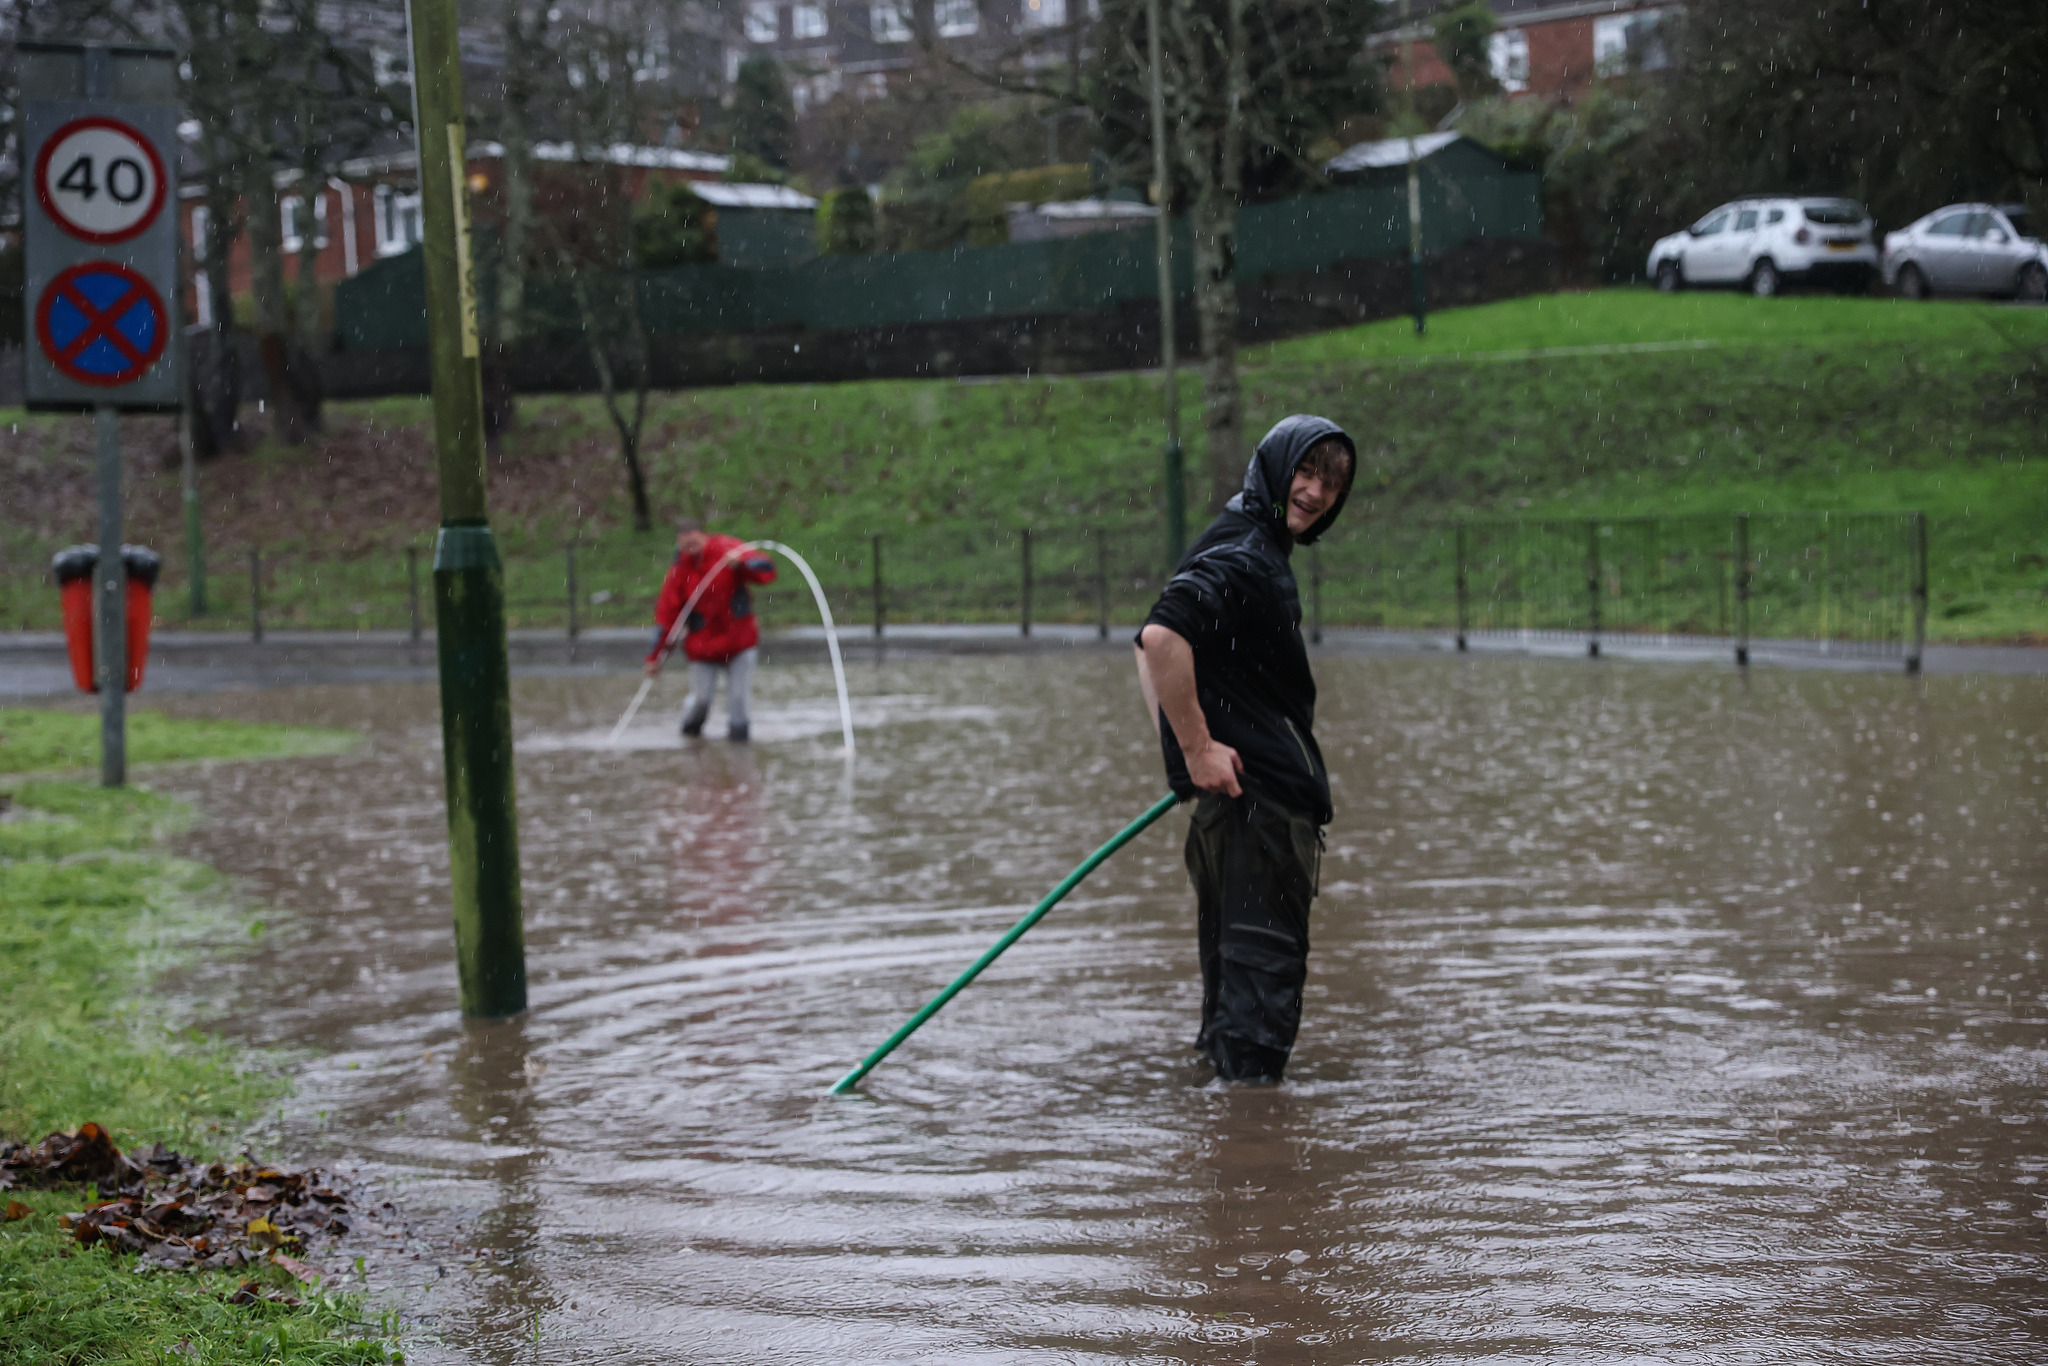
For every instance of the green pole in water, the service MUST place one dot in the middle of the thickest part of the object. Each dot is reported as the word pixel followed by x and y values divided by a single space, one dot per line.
pixel 469 580
pixel 1016 932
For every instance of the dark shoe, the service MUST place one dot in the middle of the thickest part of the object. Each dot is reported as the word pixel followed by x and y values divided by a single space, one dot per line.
pixel 736 734
pixel 692 729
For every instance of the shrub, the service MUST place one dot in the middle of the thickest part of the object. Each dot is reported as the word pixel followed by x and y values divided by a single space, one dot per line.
pixel 674 228
pixel 846 223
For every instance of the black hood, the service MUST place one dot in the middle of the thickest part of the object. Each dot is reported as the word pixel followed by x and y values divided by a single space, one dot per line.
pixel 1271 475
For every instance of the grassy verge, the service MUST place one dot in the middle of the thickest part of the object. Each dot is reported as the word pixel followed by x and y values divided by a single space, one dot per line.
pixel 1615 403
pixel 91 911
pixel 33 738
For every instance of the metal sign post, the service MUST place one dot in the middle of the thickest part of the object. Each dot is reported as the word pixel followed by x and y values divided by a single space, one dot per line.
pixel 100 248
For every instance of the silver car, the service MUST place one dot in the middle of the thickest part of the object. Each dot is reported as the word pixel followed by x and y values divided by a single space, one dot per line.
pixel 1762 245
pixel 1968 249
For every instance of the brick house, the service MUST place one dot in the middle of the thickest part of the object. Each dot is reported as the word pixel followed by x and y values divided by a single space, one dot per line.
pixel 1542 49
pixel 372 210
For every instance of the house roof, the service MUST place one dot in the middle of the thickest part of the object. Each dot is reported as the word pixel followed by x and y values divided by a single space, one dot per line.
pixel 617 154
pixel 1373 156
pixel 1095 208
pixel 749 196
pixel 620 154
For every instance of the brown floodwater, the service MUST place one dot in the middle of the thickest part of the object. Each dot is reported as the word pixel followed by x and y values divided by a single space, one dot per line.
pixel 1655 1015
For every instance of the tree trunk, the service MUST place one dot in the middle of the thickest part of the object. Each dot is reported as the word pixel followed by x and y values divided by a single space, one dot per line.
pixel 628 427
pixel 1215 233
pixel 308 340
pixel 522 48
pixel 1216 166
pixel 216 364
pixel 288 425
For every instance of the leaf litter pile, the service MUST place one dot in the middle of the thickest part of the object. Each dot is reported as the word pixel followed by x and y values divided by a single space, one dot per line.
pixel 176 1212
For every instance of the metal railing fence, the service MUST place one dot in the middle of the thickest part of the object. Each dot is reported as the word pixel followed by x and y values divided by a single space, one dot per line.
pixel 1849 583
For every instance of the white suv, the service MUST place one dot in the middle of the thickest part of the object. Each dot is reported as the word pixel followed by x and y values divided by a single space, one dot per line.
pixel 1968 249
pixel 1765 244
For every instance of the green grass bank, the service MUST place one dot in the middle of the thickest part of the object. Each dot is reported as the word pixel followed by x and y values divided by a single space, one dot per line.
pixel 1614 403
pixel 92 912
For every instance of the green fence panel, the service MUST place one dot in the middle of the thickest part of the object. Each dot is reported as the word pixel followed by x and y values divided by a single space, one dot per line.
pixel 384 307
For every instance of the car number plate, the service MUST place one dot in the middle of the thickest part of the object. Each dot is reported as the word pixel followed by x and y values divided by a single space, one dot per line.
pixel 1841 246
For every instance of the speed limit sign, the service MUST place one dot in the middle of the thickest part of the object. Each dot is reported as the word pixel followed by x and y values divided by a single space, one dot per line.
pixel 100 180
pixel 99 229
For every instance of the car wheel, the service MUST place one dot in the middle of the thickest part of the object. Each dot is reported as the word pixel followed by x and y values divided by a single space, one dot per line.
pixel 1764 280
pixel 1912 284
pixel 2033 284
pixel 1669 281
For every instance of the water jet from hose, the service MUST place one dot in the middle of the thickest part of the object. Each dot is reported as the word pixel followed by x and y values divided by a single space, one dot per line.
pixel 681 624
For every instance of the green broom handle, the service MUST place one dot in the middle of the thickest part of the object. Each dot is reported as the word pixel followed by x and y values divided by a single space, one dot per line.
pixel 1016 932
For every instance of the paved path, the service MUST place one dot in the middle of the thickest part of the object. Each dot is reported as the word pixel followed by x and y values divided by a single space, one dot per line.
pixel 32 663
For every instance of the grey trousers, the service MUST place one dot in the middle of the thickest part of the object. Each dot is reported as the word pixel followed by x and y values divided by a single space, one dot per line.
pixel 739 682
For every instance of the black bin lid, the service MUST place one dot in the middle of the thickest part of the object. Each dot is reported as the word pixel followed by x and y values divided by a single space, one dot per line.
pixel 79 561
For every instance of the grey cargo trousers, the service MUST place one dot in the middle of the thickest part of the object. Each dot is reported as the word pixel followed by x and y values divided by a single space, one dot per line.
pixel 1255 867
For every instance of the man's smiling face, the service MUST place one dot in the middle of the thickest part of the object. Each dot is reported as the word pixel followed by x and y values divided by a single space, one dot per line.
pixel 1310 496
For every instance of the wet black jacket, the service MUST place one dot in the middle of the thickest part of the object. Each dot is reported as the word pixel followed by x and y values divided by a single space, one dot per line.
pixel 1233 599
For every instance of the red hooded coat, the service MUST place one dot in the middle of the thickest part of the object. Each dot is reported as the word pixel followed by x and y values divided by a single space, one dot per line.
pixel 722 623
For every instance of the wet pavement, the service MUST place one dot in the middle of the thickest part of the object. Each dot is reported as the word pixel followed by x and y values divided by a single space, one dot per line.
pixel 1655 1015
pixel 33 663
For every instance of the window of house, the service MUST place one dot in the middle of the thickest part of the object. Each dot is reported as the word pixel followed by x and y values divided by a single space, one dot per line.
pixel 807 21
pixel 386 66
pixel 650 63
pixel 202 292
pixel 810 91
pixel 889 21
pixel 1507 53
pixel 398 220
pixel 297 222
pixel 1045 13
pixel 956 18
pixel 761 23
pixel 1629 42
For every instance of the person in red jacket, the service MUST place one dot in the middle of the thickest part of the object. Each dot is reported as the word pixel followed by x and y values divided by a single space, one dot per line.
pixel 721 634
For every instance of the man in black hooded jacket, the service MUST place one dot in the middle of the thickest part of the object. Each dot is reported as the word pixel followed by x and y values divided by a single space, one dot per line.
pixel 1226 678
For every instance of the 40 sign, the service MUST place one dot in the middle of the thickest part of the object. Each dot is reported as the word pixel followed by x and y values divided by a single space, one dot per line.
pixel 100 248
pixel 100 180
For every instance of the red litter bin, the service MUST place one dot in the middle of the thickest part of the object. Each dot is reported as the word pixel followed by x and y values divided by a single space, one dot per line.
pixel 74 566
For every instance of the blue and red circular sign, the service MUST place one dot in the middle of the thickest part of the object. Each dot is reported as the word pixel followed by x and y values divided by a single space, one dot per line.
pixel 102 324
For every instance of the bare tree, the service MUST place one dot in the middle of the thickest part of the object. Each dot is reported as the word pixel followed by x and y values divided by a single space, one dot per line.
pixel 275 96
pixel 611 95
pixel 513 113
pixel 1250 87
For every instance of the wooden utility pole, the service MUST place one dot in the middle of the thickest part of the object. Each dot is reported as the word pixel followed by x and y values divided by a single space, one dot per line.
pixel 469 580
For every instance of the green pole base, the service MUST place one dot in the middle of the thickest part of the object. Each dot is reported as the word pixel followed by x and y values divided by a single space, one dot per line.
pixel 476 735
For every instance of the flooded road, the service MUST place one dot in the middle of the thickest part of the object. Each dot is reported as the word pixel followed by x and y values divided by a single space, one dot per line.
pixel 1654 1014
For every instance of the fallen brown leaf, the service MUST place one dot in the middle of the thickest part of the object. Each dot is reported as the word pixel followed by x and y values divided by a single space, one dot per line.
pixel 295 1266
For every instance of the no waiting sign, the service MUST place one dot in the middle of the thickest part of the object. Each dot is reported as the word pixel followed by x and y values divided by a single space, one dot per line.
pixel 101 249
